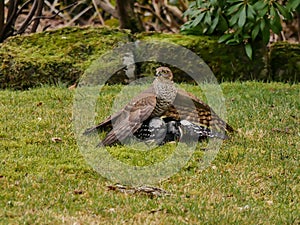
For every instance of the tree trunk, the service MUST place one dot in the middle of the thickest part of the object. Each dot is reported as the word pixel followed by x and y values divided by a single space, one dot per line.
pixel 127 17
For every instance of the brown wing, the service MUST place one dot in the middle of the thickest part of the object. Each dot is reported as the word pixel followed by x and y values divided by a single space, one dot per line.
pixel 189 107
pixel 106 124
pixel 130 119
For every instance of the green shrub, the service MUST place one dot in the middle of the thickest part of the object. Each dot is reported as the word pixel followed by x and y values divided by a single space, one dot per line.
pixel 239 21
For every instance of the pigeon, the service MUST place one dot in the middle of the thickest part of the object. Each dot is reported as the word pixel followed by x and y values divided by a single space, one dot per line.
pixel 160 131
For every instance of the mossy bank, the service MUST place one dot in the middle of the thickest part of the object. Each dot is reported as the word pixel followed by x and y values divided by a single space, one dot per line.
pixel 62 56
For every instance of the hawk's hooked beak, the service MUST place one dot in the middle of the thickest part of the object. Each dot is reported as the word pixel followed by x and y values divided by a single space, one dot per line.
pixel 157 74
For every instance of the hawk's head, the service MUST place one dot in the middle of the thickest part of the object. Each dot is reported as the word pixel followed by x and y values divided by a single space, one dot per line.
pixel 164 72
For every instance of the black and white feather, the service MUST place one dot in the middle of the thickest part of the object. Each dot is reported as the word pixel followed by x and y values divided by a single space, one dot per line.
pixel 159 131
pixel 191 131
pixel 154 130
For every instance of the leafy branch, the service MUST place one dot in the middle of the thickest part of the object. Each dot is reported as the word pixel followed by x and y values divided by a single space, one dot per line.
pixel 239 21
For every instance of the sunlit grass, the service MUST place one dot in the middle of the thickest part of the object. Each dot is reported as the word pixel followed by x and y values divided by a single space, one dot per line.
pixel 254 179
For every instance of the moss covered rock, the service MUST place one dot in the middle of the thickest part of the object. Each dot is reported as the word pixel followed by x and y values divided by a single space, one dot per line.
pixel 62 56
pixel 52 57
pixel 285 62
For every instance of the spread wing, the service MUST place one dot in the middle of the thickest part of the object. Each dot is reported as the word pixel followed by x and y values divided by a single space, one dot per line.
pixel 130 119
pixel 106 124
pixel 188 107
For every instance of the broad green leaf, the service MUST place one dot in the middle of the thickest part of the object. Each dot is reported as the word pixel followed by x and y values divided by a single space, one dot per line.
pixel 232 41
pixel 246 36
pixel 223 26
pixel 186 13
pixel 192 4
pixel 224 37
pixel 199 3
pixel 263 12
pixel 213 2
pixel 187 24
pixel 276 28
pixel 272 12
pixel 293 4
pixel 185 27
pixel 234 1
pixel 242 18
pixel 260 4
pixel 189 13
pixel 250 12
pixel 248 49
pixel 207 18
pixel 214 24
pixel 234 8
pixel 237 35
pixel 235 17
pixel 262 24
pixel 194 13
pixel 266 34
pixel 276 24
pixel 197 20
pixel 255 31
pixel 277 20
pixel 283 11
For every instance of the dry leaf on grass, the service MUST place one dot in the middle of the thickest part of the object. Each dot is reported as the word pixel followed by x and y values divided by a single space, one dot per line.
pixel 56 139
pixel 72 87
pixel 148 190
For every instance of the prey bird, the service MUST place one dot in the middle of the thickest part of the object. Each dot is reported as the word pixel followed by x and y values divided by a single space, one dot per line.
pixel 160 131
pixel 162 99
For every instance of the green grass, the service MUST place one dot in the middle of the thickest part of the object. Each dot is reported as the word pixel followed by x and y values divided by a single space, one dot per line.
pixel 255 178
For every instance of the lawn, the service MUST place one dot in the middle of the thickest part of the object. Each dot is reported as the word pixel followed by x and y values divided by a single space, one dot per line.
pixel 254 179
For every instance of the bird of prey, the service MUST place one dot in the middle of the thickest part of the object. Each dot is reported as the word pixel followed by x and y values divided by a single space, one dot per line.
pixel 161 99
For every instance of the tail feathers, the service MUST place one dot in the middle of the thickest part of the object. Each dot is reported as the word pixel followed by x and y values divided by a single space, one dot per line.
pixel 119 134
pixel 110 139
pixel 90 130
pixel 105 125
pixel 229 128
